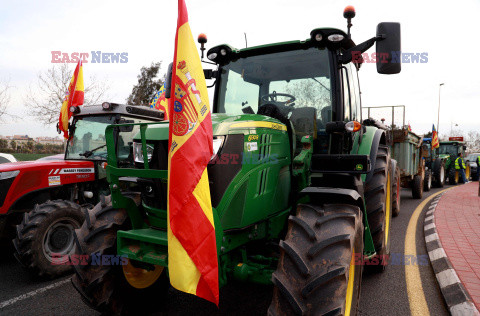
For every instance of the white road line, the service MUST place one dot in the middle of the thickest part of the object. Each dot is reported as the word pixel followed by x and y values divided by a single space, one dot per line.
pixel 33 293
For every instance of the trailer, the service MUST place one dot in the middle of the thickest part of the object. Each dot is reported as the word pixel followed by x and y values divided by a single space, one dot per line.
pixel 406 148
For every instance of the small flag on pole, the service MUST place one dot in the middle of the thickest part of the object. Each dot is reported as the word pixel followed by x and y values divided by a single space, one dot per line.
pixel 159 102
pixel 435 143
pixel 73 97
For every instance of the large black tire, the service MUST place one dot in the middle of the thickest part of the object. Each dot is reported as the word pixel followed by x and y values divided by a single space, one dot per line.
pixel 427 182
pixel 439 174
pixel 44 238
pixel 378 203
pixel 417 187
pixel 396 193
pixel 104 287
pixel 453 176
pixel 318 262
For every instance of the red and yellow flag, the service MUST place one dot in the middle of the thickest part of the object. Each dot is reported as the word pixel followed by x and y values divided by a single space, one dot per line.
pixel 74 97
pixel 435 143
pixel 192 249
pixel 159 102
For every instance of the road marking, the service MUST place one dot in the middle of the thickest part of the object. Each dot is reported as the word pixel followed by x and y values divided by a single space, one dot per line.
pixel 437 254
pixel 33 293
pixel 416 296
pixel 447 277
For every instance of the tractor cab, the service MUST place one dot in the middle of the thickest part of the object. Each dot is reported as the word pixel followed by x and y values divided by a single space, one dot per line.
pixel 87 131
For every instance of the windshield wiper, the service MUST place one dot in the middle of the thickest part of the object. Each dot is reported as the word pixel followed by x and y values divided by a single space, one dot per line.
pixel 320 83
pixel 88 153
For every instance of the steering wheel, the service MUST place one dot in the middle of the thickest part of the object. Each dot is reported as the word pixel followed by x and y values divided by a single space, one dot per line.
pixel 272 97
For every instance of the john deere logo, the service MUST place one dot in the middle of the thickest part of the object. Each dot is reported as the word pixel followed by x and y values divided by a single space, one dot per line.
pixel 359 167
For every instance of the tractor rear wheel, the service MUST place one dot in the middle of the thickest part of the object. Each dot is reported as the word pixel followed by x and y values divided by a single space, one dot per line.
pixel 453 176
pixel 318 272
pixel 439 173
pixel 417 187
pixel 378 202
pixel 44 238
pixel 427 182
pixel 125 288
pixel 396 193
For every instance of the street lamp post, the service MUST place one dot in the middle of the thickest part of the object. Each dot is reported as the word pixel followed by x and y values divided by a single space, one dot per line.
pixel 438 121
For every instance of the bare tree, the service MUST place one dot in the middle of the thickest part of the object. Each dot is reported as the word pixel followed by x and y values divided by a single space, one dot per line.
pixel 473 141
pixel 4 99
pixel 52 85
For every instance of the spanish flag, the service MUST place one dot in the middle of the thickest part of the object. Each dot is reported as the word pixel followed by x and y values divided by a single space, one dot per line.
pixel 192 249
pixel 159 102
pixel 74 97
pixel 435 143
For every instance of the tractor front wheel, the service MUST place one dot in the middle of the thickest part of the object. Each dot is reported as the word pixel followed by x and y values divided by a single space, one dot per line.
pixel 378 194
pixel 439 173
pixel 319 272
pixel 453 176
pixel 396 193
pixel 427 182
pixel 44 238
pixel 128 287
pixel 417 187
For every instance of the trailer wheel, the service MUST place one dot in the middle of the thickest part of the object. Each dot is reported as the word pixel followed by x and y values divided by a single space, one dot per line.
pixel 127 287
pixel 453 176
pixel 378 204
pixel 44 238
pixel 427 182
pixel 318 272
pixel 439 173
pixel 396 193
pixel 417 187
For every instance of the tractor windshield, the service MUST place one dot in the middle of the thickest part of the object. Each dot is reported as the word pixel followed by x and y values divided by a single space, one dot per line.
pixel 290 79
pixel 449 149
pixel 88 141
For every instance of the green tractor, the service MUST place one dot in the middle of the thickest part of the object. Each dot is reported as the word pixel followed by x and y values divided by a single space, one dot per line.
pixel 448 152
pixel 301 191
pixel 434 165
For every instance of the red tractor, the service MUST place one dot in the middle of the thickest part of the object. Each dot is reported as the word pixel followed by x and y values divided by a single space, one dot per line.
pixel 47 199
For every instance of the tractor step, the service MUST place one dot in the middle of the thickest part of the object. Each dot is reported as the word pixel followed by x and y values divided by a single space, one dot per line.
pixel 145 245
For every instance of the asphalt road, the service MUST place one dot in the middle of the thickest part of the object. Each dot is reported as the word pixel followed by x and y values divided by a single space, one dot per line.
pixel 382 294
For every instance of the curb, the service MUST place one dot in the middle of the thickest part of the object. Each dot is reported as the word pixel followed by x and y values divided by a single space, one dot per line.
pixel 456 296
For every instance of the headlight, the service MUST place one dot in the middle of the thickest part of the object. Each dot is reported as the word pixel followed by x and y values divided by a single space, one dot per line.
pixel 217 144
pixel 138 152
pixel 9 174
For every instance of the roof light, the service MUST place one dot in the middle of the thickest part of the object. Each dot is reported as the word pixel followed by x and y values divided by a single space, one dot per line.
pixel 223 52
pixel 74 109
pixel 353 126
pixel 349 12
pixel 202 38
pixel 335 37
pixel 212 56
pixel 318 37
pixel 106 106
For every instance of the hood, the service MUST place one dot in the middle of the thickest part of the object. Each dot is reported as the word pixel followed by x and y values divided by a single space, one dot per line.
pixel 222 124
pixel 44 164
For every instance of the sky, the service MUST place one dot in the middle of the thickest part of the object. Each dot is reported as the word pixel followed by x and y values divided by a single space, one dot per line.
pixel 444 30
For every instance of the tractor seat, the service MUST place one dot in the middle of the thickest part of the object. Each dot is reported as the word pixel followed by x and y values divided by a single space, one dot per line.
pixel 304 120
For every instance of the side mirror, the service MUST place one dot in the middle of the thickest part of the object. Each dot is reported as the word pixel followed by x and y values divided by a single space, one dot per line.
pixel 388 48
pixel 168 82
